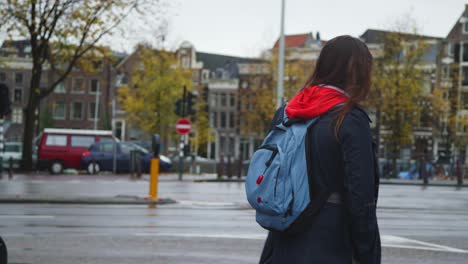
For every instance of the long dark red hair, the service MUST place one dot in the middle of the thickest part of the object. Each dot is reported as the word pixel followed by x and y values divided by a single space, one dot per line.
pixel 344 62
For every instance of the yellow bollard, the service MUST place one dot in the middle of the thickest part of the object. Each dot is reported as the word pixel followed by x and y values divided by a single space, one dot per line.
pixel 154 174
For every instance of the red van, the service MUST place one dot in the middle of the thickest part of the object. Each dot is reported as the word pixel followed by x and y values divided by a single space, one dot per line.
pixel 61 149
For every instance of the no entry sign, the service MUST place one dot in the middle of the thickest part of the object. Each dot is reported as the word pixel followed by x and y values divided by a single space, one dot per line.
pixel 183 126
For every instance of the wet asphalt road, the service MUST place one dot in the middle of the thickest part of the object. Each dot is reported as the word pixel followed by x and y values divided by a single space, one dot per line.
pixel 210 224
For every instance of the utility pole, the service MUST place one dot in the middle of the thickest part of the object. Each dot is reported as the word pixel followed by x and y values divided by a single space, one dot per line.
pixel 182 137
pixel 280 91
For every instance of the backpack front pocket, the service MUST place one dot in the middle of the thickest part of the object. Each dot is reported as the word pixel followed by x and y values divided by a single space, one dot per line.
pixel 268 189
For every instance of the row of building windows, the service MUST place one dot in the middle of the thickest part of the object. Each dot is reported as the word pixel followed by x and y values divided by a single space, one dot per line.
pixel 80 86
pixel 225 120
pixel 77 111
pixel 18 77
pixel 222 99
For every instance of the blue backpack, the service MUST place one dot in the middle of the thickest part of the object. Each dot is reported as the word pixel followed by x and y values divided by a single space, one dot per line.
pixel 277 183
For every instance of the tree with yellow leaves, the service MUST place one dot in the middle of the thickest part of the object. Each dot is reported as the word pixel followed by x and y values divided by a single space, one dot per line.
pixel 260 98
pixel 156 83
pixel 397 93
pixel 60 34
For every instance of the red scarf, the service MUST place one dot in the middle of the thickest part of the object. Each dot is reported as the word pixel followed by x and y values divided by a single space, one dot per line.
pixel 314 101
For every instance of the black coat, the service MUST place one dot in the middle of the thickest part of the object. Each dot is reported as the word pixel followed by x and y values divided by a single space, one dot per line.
pixel 342 232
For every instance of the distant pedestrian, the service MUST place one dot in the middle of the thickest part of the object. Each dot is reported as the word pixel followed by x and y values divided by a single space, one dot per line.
pixel 342 168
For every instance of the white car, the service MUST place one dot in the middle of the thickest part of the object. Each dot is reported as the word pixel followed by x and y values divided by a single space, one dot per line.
pixel 11 150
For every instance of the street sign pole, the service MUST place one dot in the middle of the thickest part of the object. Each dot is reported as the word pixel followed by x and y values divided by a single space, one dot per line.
pixel 181 156
pixel 183 127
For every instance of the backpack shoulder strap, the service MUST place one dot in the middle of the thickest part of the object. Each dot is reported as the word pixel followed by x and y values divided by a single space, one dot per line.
pixel 278 117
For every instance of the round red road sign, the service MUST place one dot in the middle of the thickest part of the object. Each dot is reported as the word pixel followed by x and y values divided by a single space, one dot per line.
pixel 183 126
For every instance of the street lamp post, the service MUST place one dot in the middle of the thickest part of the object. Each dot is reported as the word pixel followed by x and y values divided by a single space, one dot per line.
pixel 280 91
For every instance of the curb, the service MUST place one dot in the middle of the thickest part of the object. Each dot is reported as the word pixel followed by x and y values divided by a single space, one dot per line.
pixel 219 180
pixel 88 201
pixel 382 182
pixel 452 185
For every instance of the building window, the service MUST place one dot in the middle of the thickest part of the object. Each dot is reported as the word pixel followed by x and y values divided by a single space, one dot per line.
pixel 18 78
pixel 205 75
pixel 233 100
pixel 92 111
pixel 214 97
pixel 77 111
pixel 185 62
pixel 450 49
pixel 232 120
pixel 223 119
pixel 2 77
pixel 214 119
pixel 445 72
pixel 465 76
pixel 232 145
pixel 59 110
pixel 60 88
pixel 78 85
pixel 465 28
pixel 465 52
pixel 464 100
pixel 17 116
pixel 223 99
pixel 18 95
pixel 95 85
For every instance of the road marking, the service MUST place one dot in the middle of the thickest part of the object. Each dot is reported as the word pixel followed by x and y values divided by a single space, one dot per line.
pixel 387 240
pixel 196 235
pixel 204 204
pixel 27 217
pixel 402 242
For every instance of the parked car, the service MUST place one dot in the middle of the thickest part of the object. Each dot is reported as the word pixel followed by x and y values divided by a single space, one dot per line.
pixel 14 151
pixel 63 148
pixel 103 156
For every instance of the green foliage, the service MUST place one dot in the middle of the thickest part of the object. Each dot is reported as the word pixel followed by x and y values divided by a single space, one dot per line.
pixel 203 133
pixel 398 87
pixel 46 119
pixel 155 84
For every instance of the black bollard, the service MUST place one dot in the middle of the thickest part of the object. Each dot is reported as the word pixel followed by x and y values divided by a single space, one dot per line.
pixel 239 169
pixel 459 173
pixel 229 168
pixel 10 168
pixel 221 166
pixel 423 171
pixel 139 168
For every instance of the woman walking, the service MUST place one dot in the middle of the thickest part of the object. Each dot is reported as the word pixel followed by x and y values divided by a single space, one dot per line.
pixel 342 163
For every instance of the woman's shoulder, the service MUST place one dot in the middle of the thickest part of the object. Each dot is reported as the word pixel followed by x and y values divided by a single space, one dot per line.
pixel 356 120
pixel 359 113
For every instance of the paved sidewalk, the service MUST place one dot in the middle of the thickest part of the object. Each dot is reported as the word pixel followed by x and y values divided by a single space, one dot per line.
pixel 194 189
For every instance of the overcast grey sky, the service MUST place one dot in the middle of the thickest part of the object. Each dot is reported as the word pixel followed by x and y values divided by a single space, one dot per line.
pixel 245 27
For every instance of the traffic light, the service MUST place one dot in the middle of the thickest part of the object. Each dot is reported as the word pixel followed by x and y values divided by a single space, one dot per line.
pixel 191 101
pixel 205 94
pixel 187 150
pixel 179 107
